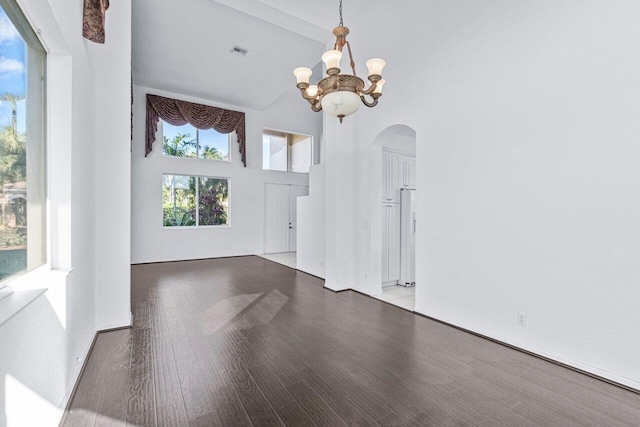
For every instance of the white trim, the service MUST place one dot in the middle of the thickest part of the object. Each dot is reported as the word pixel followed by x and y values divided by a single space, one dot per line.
pixel 27 287
pixel 115 324
pixel 634 384
pixel 76 374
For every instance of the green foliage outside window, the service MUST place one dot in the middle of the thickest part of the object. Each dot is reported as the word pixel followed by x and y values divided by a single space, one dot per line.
pixel 13 176
pixel 179 195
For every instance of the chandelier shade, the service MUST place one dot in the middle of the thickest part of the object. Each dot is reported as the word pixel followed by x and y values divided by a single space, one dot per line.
pixel 341 94
pixel 302 74
pixel 340 103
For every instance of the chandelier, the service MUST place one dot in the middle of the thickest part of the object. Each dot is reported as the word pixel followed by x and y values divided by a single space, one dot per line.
pixel 340 94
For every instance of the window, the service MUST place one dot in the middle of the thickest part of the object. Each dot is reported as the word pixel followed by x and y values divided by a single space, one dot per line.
pixel 187 141
pixel 192 201
pixel 22 144
pixel 288 152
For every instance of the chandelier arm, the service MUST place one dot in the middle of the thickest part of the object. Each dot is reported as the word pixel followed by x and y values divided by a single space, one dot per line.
pixel 305 95
pixel 367 103
pixel 316 106
pixel 370 90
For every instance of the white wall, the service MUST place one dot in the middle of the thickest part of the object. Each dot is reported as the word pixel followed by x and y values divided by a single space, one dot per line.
pixel 151 242
pixel 526 116
pixel 310 256
pixel 41 343
pixel 112 169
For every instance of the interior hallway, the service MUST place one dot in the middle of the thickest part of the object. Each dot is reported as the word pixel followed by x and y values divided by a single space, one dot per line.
pixel 245 341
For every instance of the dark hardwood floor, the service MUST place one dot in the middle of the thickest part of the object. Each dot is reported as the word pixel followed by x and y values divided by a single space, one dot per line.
pixel 245 341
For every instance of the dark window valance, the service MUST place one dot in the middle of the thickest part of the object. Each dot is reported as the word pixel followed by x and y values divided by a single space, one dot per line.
pixel 93 20
pixel 179 113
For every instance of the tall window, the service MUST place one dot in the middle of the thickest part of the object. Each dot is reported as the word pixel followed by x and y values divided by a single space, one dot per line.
pixel 188 141
pixel 22 147
pixel 192 201
pixel 288 152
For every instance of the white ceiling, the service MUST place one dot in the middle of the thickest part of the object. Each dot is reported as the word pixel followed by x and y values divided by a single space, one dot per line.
pixel 183 46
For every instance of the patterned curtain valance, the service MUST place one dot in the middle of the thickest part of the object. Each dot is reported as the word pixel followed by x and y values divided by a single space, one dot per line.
pixel 179 113
pixel 93 20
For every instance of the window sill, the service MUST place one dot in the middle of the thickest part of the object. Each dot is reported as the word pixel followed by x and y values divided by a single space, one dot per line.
pixel 199 227
pixel 23 290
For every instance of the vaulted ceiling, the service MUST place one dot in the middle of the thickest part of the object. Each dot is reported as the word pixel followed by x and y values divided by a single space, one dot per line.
pixel 184 46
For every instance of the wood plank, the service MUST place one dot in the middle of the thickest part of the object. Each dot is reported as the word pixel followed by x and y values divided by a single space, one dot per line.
pixel 392 420
pixel 172 415
pixel 351 413
pixel 207 420
pixel 321 413
pixel 112 409
pixel 141 408
pixel 290 412
pixel 84 407
pixel 229 370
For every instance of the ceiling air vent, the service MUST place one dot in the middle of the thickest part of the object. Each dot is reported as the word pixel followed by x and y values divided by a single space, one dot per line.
pixel 240 51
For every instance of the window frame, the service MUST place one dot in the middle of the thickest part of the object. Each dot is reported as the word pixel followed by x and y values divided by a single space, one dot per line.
pixel 160 137
pixel 38 255
pixel 311 149
pixel 197 226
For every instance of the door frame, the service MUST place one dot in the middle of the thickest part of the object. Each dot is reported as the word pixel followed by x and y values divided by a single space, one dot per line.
pixel 264 214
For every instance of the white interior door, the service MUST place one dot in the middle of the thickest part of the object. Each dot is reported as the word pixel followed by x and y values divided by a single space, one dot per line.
pixel 276 218
pixel 280 214
pixel 295 191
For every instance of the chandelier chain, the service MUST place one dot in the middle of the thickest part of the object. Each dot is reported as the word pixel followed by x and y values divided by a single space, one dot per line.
pixel 341 23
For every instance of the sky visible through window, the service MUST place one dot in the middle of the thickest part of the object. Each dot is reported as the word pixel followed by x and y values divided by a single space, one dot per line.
pixel 208 138
pixel 13 67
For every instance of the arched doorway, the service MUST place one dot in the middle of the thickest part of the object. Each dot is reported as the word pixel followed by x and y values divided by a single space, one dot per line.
pixel 392 208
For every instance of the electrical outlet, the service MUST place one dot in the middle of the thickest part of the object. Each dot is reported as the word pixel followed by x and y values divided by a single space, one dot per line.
pixel 522 319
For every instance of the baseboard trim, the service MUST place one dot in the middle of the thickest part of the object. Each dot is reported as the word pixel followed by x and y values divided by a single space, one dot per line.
pixel 67 405
pixel 112 326
pixel 275 262
pixel 119 328
pixel 72 395
pixel 386 302
pixel 309 274
pixel 192 259
pixel 511 346
pixel 531 353
pixel 339 291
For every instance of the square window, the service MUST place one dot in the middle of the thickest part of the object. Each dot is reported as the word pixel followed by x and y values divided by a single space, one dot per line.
pixel 287 152
pixel 193 201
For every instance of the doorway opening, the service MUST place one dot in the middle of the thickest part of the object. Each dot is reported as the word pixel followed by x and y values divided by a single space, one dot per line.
pixel 395 203
pixel 280 222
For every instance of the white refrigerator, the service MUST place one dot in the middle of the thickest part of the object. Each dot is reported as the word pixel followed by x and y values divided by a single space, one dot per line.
pixel 407 237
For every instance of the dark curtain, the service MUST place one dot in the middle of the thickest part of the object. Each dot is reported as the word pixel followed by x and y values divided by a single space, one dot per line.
pixel 179 113
pixel 93 20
